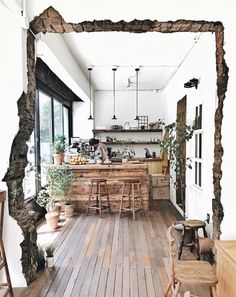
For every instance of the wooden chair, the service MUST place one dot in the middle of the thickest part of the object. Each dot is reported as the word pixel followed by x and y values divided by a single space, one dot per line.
pixel 193 273
pixel 5 288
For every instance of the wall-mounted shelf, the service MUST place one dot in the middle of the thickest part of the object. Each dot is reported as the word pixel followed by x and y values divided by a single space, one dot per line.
pixel 126 131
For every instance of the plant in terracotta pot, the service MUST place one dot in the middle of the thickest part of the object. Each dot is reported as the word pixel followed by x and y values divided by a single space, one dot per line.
pixel 45 200
pixel 59 181
pixel 58 148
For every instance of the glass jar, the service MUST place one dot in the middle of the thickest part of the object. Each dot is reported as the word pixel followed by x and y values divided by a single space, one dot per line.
pixel 126 126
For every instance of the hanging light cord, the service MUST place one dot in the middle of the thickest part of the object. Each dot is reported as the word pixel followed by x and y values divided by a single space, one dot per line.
pixel 90 106
pixel 114 95
pixel 90 94
pixel 137 70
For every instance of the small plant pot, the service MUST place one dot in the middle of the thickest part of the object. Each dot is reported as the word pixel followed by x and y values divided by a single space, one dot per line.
pixel 49 262
pixel 58 159
pixel 52 220
pixel 57 208
pixel 69 210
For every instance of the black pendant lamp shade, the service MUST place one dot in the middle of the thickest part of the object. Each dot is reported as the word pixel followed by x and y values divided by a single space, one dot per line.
pixel 137 70
pixel 90 94
pixel 114 94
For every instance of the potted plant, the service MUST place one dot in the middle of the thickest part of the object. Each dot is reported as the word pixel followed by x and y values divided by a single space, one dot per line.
pixel 59 181
pixel 58 148
pixel 173 147
pixel 40 258
pixel 45 200
pixel 50 249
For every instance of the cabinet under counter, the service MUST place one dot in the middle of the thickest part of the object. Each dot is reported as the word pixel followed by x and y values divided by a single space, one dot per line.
pixel 114 173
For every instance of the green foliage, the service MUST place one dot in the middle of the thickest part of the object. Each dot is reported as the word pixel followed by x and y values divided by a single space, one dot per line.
pixel 40 258
pixel 50 249
pixel 174 148
pixel 174 145
pixel 59 181
pixel 43 197
pixel 59 144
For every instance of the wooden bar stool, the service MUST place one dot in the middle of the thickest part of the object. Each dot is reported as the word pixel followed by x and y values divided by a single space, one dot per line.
pixel 98 191
pixel 192 226
pixel 5 288
pixel 133 194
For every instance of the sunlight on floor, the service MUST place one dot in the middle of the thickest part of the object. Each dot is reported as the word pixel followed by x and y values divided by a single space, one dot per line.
pixel 47 235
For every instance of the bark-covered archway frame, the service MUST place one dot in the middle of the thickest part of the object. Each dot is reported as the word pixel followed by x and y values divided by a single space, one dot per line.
pixel 50 21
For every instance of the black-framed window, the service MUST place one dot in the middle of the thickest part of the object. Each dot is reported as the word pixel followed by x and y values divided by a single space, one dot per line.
pixel 53 116
pixel 198 138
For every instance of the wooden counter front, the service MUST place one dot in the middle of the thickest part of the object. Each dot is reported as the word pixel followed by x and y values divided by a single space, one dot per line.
pixel 114 173
pixel 226 268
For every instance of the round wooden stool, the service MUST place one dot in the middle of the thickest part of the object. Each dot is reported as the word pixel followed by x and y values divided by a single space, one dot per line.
pixel 133 194
pixel 192 226
pixel 98 191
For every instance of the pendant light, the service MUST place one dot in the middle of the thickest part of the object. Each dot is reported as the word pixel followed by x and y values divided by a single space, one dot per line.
pixel 90 96
pixel 137 70
pixel 114 95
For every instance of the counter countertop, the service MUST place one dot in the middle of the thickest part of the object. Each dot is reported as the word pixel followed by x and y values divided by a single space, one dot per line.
pixel 124 166
pixel 147 159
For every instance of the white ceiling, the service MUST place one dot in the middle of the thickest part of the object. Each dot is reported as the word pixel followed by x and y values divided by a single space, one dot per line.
pixel 157 54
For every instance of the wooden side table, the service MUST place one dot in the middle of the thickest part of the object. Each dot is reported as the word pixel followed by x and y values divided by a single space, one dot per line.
pixel 192 226
pixel 226 267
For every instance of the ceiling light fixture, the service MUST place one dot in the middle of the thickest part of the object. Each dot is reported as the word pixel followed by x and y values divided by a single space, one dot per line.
pixel 114 94
pixel 137 70
pixel 90 95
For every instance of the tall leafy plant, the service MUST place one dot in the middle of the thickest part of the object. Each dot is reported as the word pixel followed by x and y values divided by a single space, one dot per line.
pixel 59 181
pixel 59 144
pixel 173 147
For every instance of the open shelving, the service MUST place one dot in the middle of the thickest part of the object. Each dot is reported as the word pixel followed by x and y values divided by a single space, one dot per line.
pixel 126 130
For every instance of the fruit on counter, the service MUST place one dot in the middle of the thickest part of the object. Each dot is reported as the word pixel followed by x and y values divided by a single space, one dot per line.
pixel 77 160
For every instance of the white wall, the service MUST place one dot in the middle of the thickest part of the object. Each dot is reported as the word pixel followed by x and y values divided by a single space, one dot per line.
pixel 82 127
pixel 228 138
pixel 11 80
pixel 149 104
pixel 201 64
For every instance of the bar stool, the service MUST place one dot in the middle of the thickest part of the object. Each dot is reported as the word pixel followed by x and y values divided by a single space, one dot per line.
pixel 98 190
pixel 7 287
pixel 192 226
pixel 133 194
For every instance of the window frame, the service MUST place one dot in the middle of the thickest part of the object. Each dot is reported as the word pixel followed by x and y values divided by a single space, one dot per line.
pixel 198 148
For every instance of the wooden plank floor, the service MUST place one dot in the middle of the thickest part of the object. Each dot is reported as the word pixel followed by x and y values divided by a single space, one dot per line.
pixel 109 257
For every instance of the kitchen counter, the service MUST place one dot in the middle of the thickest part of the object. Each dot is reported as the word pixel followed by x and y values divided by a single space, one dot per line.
pixel 114 173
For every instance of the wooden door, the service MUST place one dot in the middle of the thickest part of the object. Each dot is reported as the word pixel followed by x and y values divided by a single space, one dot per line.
pixel 181 157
